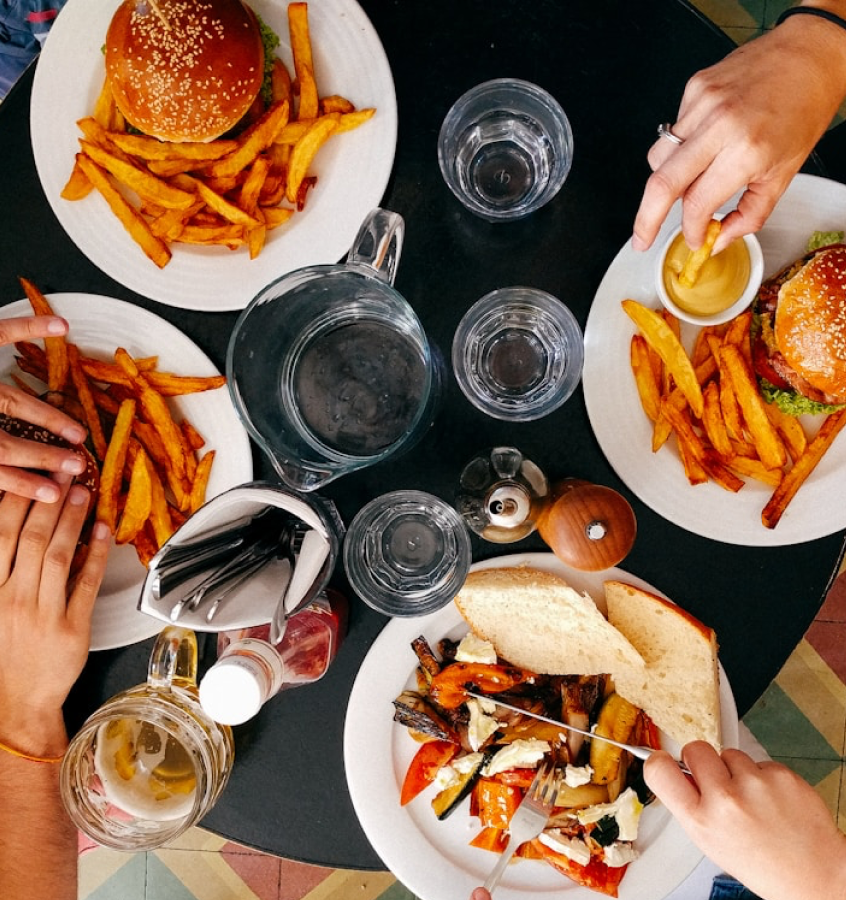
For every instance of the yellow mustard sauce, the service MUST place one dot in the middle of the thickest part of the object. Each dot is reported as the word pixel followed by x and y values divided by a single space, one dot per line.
pixel 721 280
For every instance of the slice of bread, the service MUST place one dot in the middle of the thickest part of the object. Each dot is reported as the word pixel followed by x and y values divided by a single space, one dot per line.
pixel 680 687
pixel 538 622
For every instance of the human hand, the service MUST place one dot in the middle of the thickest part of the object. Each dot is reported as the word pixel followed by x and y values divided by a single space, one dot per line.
pixel 21 460
pixel 760 822
pixel 480 893
pixel 45 629
pixel 750 121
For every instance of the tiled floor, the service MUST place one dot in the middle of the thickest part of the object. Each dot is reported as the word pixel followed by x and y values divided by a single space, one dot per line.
pixel 801 720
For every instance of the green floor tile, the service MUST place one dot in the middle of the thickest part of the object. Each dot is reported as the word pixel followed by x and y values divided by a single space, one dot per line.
pixel 397 891
pixel 811 770
pixel 783 729
pixel 162 884
pixel 128 883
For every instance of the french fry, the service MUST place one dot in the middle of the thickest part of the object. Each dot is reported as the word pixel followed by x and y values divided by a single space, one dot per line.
pixel 136 509
pixel 160 519
pixel 754 468
pixel 790 429
pixel 802 468
pixel 298 29
pixel 150 148
pixel 111 474
pixel 195 440
pixel 647 385
pixel 660 337
pixel 304 152
pixel 139 180
pixel 335 103
pixel 86 399
pixel 223 207
pixel 77 186
pixel 251 188
pixel 155 248
pixel 201 481
pixel 692 448
pixel 280 83
pixel 720 473
pixel 713 422
pixel 55 348
pixel 155 412
pixel 771 449
pixel 697 258
pixel 256 139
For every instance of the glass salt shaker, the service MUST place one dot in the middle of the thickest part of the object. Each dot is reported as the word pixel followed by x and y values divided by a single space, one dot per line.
pixel 250 669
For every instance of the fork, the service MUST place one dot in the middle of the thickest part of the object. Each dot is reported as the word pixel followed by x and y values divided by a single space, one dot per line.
pixel 529 818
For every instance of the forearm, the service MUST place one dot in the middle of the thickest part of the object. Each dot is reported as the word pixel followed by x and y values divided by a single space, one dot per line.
pixel 38 843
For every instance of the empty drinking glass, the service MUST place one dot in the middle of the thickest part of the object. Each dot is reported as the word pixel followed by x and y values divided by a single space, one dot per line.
pixel 505 148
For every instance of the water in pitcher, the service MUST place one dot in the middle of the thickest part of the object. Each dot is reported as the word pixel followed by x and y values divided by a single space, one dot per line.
pixel 359 388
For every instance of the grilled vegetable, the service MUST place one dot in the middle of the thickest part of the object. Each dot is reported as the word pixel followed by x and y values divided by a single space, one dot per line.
pixel 415 713
pixel 616 720
pixel 427 762
pixel 449 686
pixel 448 800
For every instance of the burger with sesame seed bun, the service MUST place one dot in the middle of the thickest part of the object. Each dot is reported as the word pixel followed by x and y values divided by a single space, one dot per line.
pixel 799 333
pixel 184 70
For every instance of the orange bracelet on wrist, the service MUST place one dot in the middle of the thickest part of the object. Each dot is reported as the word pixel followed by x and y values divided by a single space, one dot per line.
pixel 31 756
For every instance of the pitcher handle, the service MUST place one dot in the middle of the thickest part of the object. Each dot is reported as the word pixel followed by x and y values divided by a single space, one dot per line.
pixel 174 659
pixel 378 244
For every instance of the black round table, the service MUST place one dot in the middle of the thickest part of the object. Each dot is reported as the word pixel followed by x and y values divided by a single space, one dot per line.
pixel 618 69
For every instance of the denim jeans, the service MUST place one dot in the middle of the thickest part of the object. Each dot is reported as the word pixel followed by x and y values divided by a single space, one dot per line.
pixel 727 888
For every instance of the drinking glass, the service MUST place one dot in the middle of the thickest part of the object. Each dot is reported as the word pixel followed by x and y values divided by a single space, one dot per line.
pixel 517 354
pixel 407 553
pixel 505 148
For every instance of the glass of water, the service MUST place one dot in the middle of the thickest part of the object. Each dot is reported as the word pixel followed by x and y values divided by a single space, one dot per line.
pixel 505 148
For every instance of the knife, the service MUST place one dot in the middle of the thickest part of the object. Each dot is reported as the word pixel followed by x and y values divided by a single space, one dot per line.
pixel 634 749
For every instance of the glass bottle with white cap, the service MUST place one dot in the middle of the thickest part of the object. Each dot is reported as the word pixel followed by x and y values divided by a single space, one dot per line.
pixel 250 669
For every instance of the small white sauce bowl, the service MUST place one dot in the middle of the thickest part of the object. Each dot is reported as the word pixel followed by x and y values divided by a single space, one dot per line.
pixel 756 274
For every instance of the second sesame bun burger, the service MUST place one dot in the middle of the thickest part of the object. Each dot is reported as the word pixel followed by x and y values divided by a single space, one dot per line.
pixel 184 70
pixel 799 333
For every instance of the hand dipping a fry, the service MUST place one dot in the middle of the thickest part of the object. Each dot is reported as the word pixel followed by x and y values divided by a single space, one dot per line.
pixel 704 288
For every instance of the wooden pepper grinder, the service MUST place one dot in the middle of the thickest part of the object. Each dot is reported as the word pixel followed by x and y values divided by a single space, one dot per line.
pixel 587 526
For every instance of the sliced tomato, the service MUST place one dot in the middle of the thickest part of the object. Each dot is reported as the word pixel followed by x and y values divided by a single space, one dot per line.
pixel 596 875
pixel 449 687
pixel 427 762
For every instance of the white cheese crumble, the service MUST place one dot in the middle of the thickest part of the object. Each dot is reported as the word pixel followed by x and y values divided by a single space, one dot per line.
pixel 522 754
pixel 626 809
pixel 576 776
pixel 480 727
pixel 618 854
pixel 572 847
pixel 473 649
pixel 450 774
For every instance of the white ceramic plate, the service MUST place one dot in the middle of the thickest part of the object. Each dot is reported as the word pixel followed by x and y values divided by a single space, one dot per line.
pixel 433 859
pixel 352 170
pixel 98 325
pixel 624 433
